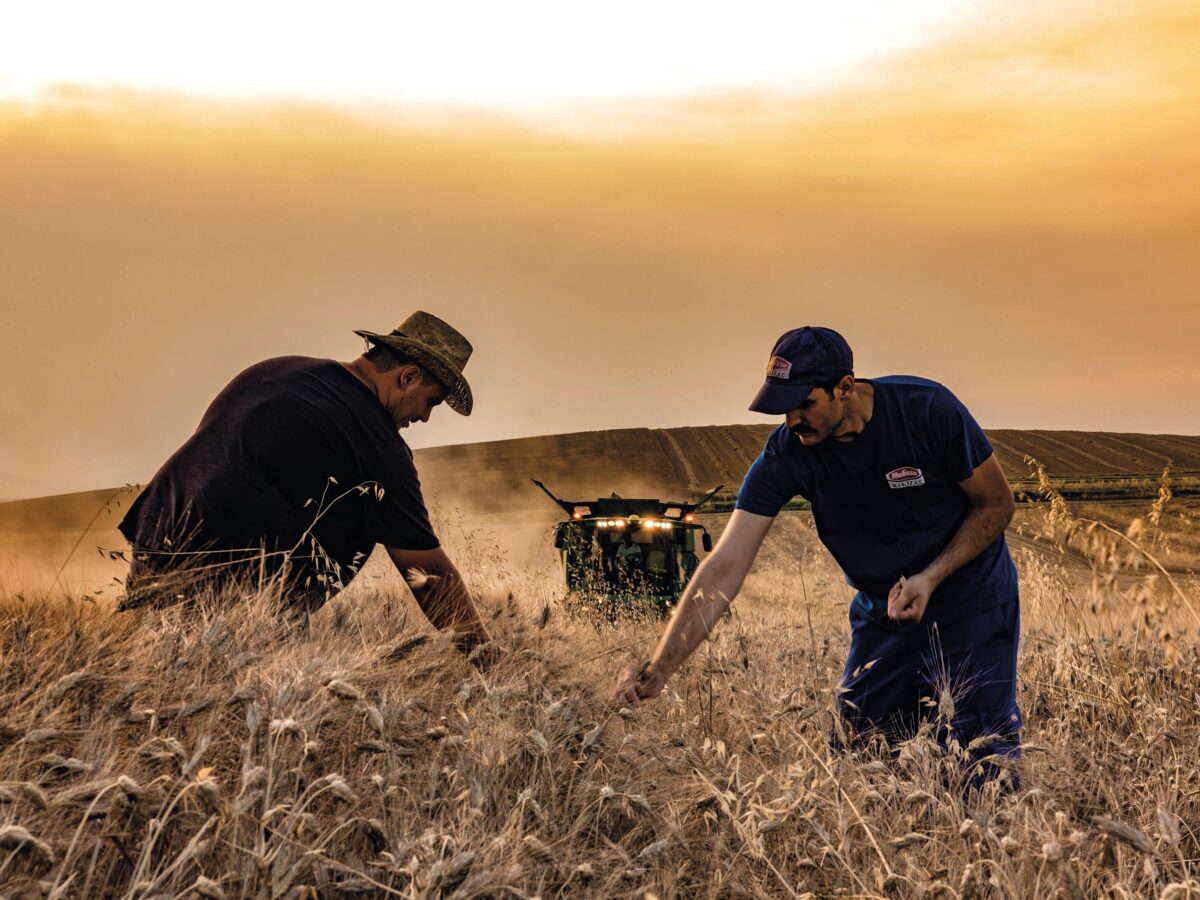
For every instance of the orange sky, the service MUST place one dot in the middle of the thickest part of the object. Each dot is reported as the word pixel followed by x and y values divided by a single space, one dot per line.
pixel 1014 212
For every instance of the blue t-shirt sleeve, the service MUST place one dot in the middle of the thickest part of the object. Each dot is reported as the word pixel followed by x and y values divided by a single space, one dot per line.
pixel 962 445
pixel 768 484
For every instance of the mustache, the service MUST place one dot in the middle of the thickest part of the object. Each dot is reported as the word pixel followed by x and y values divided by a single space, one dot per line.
pixel 803 429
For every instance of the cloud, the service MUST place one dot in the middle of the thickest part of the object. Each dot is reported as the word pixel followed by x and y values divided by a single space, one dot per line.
pixel 1014 213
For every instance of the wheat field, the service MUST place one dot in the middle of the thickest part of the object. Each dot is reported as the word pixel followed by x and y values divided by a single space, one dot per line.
pixel 207 752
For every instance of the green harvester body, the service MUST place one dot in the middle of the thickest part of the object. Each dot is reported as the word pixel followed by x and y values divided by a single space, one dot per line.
pixel 619 552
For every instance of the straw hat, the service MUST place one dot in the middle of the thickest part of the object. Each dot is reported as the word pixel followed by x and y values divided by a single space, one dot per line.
pixel 436 347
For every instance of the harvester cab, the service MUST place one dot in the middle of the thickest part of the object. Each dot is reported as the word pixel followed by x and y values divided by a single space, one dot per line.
pixel 625 552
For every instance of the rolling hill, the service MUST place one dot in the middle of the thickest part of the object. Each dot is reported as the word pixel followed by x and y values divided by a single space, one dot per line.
pixel 489 483
pixel 493 476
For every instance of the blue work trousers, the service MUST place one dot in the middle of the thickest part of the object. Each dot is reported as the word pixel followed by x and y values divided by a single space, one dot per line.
pixel 898 673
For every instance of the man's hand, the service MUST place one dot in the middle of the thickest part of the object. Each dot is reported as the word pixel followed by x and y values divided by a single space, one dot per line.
pixel 637 682
pixel 418 579
pixel 487 656
pixel 909 597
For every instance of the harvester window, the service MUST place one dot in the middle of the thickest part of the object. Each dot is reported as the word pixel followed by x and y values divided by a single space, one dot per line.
pixel 639 537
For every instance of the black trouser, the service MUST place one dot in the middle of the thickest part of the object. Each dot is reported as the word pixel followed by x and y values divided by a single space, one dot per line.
pixel 959 676
pixel 166 577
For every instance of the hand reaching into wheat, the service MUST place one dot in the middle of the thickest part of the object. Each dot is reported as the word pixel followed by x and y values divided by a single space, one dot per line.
pixel 481 651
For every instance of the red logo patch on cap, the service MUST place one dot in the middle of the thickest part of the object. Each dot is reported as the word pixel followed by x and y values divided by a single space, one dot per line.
pixel 779 367
pixel 905 476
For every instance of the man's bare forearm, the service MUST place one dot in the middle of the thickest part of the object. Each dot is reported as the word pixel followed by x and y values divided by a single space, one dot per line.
pixel 982 525
pixel 447 604
pixel 705 599
pixel 708 594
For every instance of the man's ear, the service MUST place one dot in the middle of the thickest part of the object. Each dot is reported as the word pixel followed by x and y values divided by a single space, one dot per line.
pixel 407 376
pixel 846 386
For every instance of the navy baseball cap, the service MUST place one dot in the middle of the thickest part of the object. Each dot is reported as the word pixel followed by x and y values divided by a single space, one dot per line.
pixel 800 360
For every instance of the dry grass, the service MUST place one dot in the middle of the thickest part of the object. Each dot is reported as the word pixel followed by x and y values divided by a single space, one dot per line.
pixel 207 753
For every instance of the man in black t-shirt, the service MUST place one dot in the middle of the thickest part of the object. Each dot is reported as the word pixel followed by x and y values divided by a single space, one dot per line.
pixel 297 471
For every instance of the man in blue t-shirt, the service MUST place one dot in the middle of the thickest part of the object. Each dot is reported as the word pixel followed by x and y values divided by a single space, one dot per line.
pixel 908 497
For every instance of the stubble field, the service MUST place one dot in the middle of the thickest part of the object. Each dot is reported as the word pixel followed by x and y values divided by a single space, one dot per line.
pixel 205 752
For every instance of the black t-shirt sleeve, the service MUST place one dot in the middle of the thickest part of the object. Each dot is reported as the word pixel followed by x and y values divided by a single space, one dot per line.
pixel 962 445
pixel 398 518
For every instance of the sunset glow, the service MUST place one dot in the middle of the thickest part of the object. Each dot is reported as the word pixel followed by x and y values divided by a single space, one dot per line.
pixel 1009 203
pixel 520 55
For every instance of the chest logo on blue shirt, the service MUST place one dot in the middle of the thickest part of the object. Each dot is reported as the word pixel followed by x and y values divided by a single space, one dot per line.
pixel 905 477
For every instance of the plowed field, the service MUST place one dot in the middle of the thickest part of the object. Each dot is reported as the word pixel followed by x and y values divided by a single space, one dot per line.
pixel 489 483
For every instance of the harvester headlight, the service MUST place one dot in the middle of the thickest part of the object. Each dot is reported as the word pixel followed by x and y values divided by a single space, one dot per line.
pixel 689 518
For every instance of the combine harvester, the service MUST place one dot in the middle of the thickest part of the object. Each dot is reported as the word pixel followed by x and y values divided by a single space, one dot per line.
pixel 626 554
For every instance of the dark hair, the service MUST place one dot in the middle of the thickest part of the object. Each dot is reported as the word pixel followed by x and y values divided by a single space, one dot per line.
pixel 829 384
pixel 385 359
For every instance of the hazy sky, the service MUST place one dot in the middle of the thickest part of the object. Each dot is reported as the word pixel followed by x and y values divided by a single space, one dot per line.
pixel 518 55
pixel 1007 201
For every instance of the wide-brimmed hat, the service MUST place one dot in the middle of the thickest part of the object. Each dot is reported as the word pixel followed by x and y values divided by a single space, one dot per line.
pixel 436 347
